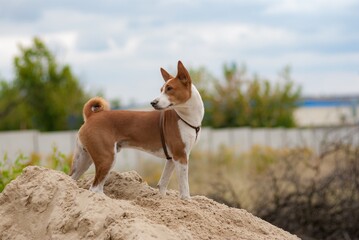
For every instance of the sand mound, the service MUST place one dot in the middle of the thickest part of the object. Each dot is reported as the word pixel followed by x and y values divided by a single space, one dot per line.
pixel 46 204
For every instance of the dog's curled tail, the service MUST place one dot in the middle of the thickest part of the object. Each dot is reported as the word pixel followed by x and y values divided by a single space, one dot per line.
pixel 94 105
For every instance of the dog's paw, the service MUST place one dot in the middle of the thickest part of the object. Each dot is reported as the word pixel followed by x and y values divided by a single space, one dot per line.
pixel 96 189
pixel 185 198
pixel 162 190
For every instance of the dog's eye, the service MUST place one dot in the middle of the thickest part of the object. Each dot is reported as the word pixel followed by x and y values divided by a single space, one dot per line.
pixel 169 88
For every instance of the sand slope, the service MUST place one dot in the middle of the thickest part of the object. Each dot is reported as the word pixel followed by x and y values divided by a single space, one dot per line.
pixel 46 204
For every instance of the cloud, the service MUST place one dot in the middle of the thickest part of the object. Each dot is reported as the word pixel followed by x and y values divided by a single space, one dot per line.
pixel 121 44
pixel 8 48
pixel 309 6
pixel 18 11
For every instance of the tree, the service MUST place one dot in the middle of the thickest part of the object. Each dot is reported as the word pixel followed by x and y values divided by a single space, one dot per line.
pixel 10 102
pixel 44 94
pixel 243 101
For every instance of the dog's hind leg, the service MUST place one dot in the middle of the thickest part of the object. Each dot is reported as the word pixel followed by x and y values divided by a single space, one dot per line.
pixel 165 177
pixel 81 161
pixel 104 161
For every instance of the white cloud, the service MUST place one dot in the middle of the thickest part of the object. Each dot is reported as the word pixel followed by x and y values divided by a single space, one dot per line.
pixel 8 49
pixel 305 60
pixel 114 51
pixel 308 6
pixel 65 40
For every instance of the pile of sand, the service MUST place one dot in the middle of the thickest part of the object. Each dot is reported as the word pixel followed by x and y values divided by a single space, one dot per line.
pixel 46 204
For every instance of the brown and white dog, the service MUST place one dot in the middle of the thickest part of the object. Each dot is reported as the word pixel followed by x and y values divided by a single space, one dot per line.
pixel 170 132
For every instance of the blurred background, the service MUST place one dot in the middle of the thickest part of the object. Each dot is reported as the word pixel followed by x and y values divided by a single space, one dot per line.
pixel 279 80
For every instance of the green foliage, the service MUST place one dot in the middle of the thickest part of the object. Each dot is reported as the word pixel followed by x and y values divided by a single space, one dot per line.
pixel 9 171
pixel 242 101
pixel 44 94
pixel 59 161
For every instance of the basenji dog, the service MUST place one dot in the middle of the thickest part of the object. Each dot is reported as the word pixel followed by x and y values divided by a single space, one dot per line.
pixel 169 133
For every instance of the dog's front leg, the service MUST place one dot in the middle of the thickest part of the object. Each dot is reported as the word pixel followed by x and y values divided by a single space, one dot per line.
pixel 182 176
pixel 165 177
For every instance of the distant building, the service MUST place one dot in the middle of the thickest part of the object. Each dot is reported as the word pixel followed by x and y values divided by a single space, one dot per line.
pixel 328 111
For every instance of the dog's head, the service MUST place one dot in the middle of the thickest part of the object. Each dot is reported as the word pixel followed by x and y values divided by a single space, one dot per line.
pixel 176 90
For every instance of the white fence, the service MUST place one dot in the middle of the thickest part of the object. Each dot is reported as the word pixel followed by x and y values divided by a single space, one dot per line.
pixel 241 140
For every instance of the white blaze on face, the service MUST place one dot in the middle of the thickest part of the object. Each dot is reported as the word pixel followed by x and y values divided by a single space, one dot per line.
pixel 163 99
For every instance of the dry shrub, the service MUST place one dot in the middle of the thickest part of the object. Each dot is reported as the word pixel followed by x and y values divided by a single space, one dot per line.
pixel 227 177
pixel 315 197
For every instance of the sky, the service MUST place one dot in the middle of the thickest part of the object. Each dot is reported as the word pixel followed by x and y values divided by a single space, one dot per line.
pixel 118 46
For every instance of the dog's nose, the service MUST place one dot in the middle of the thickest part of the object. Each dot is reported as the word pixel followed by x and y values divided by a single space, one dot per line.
pixel 154 103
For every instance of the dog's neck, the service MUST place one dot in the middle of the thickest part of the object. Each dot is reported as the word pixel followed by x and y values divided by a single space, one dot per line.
pixel 192 111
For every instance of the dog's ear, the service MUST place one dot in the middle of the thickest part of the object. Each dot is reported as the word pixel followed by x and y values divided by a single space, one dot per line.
pixel 166 76
pixel 182 73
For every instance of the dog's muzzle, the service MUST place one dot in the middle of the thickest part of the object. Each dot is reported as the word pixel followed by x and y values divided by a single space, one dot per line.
pixel 154 103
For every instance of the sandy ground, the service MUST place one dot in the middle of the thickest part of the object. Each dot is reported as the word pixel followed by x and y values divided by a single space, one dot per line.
pixel 47 204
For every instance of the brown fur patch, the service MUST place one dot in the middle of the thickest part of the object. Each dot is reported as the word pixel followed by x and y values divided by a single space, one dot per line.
pixel 173 136
pixel 177 91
